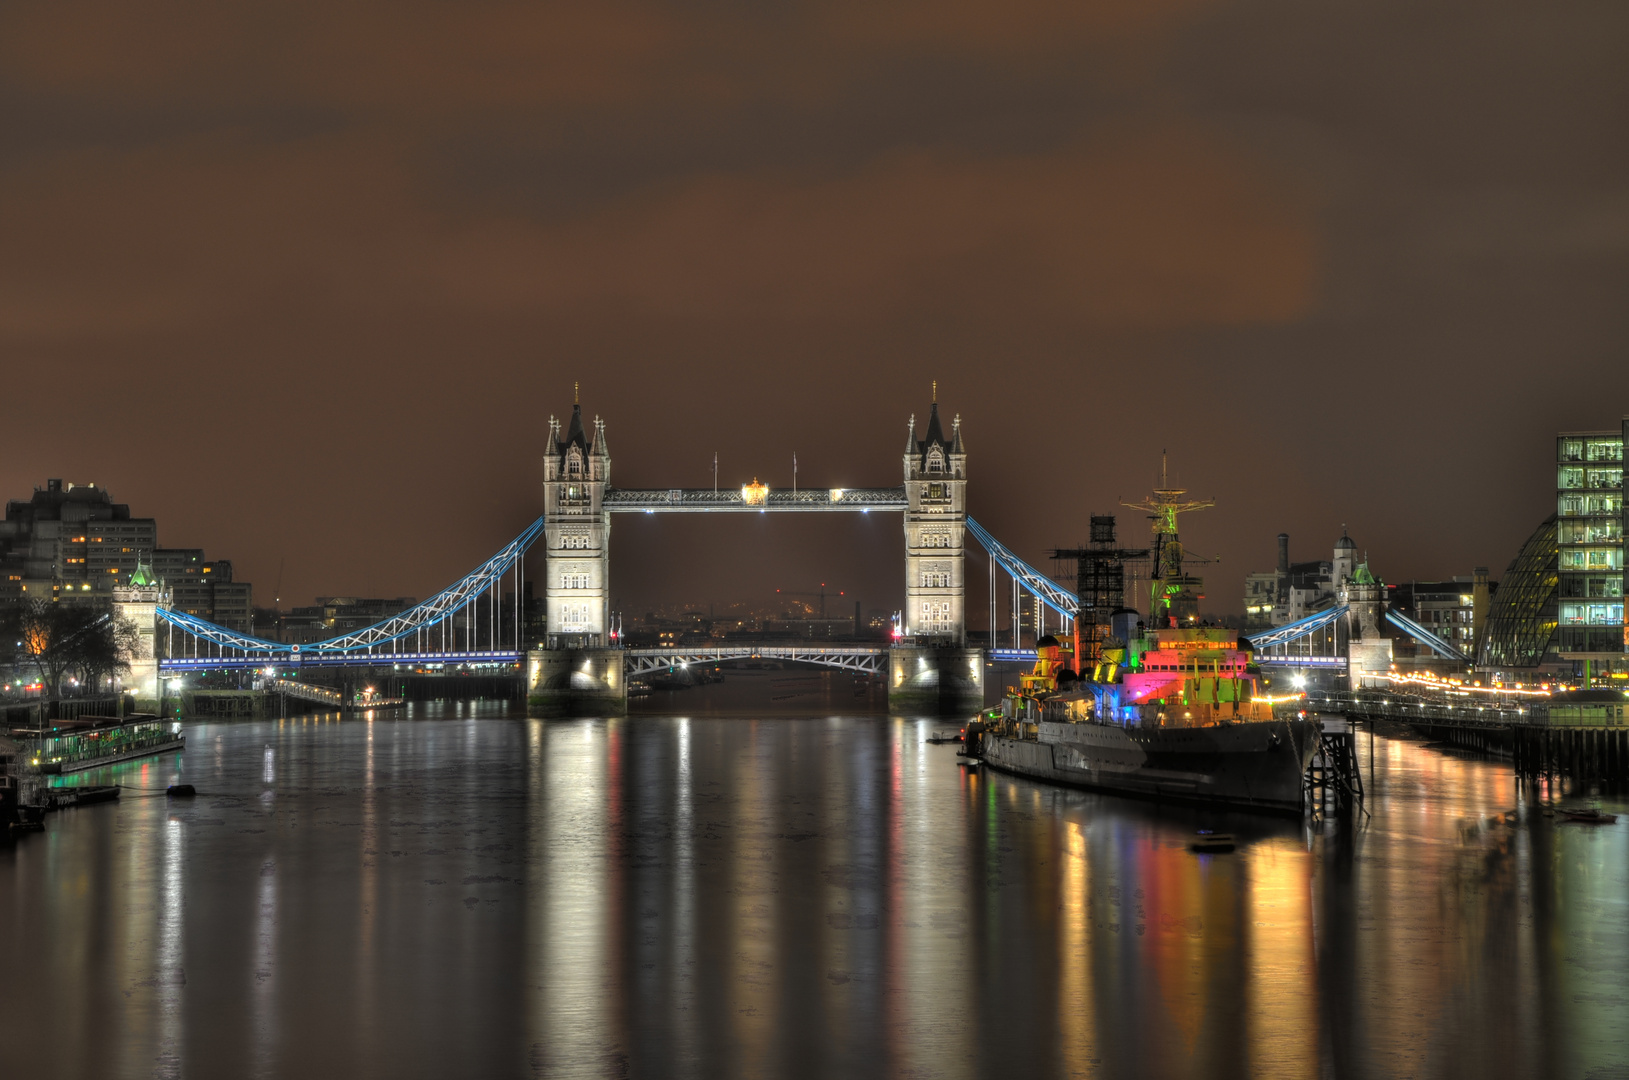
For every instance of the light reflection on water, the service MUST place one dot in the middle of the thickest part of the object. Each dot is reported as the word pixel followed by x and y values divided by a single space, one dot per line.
pixel 404 895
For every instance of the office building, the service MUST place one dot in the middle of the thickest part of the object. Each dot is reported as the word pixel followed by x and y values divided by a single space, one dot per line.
pixel 1589 546
pixel 70 542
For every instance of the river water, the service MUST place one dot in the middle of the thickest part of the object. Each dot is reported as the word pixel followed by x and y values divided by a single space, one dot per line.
pixel 452 893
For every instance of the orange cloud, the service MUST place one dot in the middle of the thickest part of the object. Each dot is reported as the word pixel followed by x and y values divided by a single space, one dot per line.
pixel 372 54
pixel 368 54
pixel 1012 26
pixel 1161 229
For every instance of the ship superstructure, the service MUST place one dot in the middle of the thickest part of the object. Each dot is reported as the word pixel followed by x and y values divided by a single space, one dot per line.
pixel 1162 706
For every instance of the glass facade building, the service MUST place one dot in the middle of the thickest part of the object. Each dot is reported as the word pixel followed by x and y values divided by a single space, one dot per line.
pixel 1590 522
pixel 1520 634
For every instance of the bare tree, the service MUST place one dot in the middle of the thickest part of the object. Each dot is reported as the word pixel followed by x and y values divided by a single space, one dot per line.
pixel 106 650
pixel 57 639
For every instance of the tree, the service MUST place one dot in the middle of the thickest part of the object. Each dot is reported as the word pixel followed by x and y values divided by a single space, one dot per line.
pixel 57 639
pixel 106 650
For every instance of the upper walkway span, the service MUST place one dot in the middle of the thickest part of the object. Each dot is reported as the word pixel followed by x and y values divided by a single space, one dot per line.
pixel 745 501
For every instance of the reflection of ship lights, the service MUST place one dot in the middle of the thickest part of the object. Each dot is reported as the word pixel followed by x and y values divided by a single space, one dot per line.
pixel 755 493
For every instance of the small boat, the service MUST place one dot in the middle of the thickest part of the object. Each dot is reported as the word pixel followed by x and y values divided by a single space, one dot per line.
pixel 65 797
pixel 1212 843
pixel 943 737
pixel 1589 816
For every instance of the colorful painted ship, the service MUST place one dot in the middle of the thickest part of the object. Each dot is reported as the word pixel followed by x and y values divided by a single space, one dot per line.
pixel 1171 709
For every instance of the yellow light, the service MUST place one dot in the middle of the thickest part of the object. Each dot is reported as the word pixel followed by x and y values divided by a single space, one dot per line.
pixel 755 493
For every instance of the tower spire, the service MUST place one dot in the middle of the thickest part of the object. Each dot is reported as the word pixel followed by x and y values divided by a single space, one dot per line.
pixel 576 389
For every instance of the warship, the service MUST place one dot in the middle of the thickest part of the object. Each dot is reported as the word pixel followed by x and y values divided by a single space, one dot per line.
pixel 1160 706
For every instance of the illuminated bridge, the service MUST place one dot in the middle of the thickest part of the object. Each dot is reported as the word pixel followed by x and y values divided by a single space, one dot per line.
pixel 577 658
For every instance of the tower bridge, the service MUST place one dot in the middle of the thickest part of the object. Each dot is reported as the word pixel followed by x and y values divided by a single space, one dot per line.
pixel 932 667
pixel 579 665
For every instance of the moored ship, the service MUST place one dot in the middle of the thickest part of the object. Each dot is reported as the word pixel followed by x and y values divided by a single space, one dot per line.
pixel 94 741
pixel 1180 721
pixel 1163 708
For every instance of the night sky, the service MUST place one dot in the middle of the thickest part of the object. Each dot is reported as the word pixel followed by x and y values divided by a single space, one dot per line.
pixel 304 281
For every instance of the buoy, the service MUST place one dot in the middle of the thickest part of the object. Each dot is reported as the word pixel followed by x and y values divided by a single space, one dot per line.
pixel 182 791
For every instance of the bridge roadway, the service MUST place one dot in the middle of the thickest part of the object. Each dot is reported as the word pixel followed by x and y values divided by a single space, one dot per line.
pixel 288 658
pixel 863 658
pixel 868 659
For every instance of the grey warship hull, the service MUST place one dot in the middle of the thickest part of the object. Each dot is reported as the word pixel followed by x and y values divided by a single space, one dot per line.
pixel 1253 766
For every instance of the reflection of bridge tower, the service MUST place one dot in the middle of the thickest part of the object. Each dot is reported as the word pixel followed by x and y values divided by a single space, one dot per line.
pixel 577 528
pixel 935 520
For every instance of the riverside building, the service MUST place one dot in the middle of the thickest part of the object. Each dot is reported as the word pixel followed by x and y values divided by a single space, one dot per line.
pixel 1559 609
pixel 1589 547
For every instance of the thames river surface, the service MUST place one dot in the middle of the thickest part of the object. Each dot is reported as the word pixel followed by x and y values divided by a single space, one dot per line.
pixel 453 892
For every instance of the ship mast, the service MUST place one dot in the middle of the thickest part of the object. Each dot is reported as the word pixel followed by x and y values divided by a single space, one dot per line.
pixel 1163 507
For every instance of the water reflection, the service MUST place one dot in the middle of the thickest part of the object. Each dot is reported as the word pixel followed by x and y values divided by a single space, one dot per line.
pixel 404 895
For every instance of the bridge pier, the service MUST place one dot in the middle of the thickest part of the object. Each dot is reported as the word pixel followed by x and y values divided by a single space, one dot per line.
pixel 931 679
pixel 576 682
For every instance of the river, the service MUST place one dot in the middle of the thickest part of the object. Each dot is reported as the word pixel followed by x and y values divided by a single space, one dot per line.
pixel 452 892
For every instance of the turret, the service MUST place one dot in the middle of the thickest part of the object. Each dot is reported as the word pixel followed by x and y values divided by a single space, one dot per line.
pixel 1345 562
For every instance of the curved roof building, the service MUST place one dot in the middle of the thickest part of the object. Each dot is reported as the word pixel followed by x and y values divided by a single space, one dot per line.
pixel 1521 627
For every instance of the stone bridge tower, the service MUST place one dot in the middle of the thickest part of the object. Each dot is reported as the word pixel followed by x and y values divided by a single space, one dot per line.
pixel 138 601
pixel 930 669
pixel 577 531
pixel 935 525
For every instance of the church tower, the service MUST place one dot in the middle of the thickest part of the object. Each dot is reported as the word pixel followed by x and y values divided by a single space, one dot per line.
pixel 577 531
pixel 935 517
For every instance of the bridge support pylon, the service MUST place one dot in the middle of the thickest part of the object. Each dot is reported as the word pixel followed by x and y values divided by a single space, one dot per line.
pixel 942 680
pixel 576 682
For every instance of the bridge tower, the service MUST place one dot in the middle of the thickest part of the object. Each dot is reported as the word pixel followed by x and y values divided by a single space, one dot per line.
pixel 577 531
pixel 930 668
pixel 137 601
pixel 935 525
pixel 579 669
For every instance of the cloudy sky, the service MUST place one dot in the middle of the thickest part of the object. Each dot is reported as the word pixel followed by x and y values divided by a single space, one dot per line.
pixel 304 281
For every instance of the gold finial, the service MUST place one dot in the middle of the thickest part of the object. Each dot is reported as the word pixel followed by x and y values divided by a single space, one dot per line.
pixel 936 391
pixel 575 387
